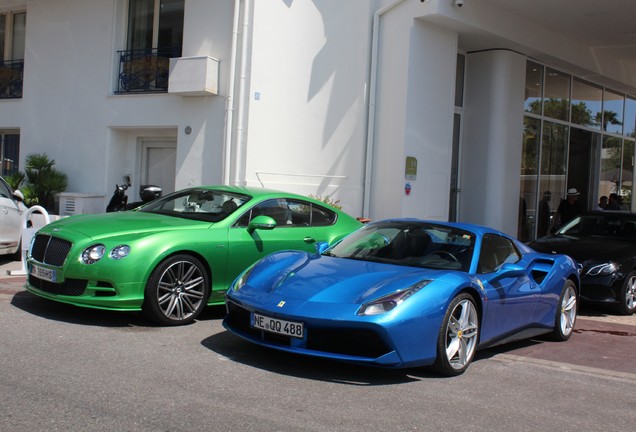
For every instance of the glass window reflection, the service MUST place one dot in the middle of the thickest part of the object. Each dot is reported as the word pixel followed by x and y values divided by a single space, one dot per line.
pixel 586 104
pixel 557 95
pixel 553 168
pixel 534 88
pixel 611 157
pixel 629 124
pixel 529 171
pixel 613 104
pixel 627 173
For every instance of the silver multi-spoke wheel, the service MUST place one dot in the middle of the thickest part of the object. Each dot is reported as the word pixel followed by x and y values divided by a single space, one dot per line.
pixel 628 301
pixel 566 312
pixel 458 336
pixel 180 290
pixel 461 336
pixel 177 291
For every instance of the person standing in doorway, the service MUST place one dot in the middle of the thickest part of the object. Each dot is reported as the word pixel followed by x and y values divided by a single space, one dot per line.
pixel 569 208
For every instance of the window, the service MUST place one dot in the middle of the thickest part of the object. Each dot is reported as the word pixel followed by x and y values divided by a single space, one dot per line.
pixel 10 152
pixel 155 35
pixel 586 104
pixel 613 104
pixel 529 177
pixel 576 134
pixel 12 36
pixel 495 252
pixel 629 123
pixel 5 190
pixel 290 213
pixel 156 24
pixel 557 95
pixel 534 88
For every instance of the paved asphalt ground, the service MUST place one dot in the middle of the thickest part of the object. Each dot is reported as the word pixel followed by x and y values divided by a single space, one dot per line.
pixel 74 369
pixel 603 342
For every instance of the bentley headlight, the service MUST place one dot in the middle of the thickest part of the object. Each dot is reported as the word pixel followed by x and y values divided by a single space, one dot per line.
pixel 602 269
pixel 119 252
pixel 391 301
pixel 93 254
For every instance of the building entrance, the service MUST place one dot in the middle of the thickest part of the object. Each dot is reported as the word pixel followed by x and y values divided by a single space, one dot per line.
pixel 583 146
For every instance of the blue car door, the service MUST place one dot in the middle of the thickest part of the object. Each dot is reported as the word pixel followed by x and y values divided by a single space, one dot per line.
pixel 512 296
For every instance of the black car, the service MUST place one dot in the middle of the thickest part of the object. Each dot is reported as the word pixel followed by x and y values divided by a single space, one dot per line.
pixel 603 243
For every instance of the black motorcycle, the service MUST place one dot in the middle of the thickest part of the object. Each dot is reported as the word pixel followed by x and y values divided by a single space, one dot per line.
pixel 119 201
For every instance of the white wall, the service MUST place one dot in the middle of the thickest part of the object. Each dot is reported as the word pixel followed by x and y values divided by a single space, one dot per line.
pixel 69 110
pixel 307 105
pixel 414 117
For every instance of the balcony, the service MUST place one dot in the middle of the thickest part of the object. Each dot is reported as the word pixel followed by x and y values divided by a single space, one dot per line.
pixel 144 71
pixel 194 76
pixel 11 72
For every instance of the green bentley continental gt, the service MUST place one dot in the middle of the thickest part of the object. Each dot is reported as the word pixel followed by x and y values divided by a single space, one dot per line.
pixel 176 254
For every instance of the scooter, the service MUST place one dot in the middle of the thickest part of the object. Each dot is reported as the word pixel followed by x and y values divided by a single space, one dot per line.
pixel 119 201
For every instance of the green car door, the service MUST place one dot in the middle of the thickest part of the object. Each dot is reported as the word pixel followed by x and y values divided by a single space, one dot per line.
pixel 270 226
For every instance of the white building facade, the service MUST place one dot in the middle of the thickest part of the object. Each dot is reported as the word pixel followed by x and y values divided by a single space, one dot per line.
pixel 436 109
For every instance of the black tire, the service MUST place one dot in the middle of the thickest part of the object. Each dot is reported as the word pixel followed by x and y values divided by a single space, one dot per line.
pixel 177 291
pixel 458 336
pixel 627 304
pixel 566 312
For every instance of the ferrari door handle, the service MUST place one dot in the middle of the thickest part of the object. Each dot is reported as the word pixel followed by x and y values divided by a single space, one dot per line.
pixel 309 240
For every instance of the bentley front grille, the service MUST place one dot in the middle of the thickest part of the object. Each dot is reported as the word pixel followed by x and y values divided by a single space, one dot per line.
pixel 50 250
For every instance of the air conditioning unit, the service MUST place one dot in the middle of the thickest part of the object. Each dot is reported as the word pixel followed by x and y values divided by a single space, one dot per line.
pixel 72 203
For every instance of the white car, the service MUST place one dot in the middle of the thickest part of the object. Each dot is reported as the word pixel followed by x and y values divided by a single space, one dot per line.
pixel 11 220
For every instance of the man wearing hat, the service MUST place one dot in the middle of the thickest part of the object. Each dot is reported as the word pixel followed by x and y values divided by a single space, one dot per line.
pixel 570 207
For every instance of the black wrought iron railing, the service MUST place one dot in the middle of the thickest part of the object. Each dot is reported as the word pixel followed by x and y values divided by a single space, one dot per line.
pixel 145 70
pixel 11 72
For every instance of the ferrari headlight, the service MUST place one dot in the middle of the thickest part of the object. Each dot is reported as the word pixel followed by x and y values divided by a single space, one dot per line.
pixel 602 269
pixel 391 301
pixel 242 279
pixel 93 254
pixel 119 252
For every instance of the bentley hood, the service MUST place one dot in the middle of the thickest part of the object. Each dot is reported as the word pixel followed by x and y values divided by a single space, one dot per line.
pixel 113 224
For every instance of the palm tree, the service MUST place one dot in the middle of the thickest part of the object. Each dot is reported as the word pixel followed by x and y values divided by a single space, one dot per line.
pixel 42 181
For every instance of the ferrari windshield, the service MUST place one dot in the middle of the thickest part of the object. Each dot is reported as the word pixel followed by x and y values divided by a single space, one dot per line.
pixel 202 204
pixel 617 225
pixel 413 244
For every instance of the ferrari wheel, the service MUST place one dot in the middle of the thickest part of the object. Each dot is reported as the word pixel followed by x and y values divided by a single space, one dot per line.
pixel 458 336
pixel 566 313
pixel 627 304
pixel 177 291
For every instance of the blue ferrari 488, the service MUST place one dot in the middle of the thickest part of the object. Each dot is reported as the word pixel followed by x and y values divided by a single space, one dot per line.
pixel 405 293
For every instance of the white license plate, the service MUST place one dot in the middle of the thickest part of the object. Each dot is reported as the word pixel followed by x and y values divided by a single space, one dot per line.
pixel 278 326
pixel 43 273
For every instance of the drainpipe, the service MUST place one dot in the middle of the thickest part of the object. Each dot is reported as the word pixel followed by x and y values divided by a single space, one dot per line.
pixel 241 97
pixel 229 106
pixel 372 95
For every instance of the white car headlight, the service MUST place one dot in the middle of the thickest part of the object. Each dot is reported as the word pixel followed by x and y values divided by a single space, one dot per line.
pixel 602 269
pixel 119 252
pixel 93 254
pixel 391 301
